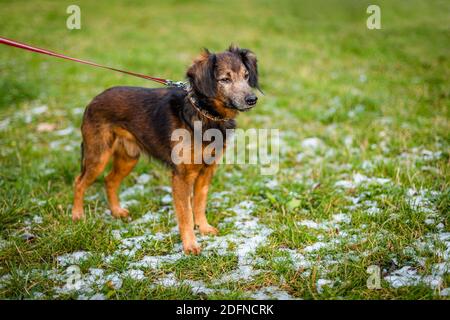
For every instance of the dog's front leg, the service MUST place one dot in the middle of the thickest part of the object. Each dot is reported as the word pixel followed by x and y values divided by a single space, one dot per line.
pixel 182 186
pixel 201 187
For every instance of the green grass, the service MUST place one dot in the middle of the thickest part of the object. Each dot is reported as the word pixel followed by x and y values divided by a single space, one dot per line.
pixel 377 99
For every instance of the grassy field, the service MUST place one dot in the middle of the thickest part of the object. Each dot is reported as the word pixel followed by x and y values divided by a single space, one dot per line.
pixel 364 163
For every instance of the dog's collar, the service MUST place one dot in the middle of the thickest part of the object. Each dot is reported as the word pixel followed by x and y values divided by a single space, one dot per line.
pixel 203 112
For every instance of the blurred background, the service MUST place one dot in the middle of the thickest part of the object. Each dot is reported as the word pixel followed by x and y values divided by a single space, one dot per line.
pixel 309 51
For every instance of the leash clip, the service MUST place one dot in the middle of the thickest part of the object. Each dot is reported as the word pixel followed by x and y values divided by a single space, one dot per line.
pixel 177 84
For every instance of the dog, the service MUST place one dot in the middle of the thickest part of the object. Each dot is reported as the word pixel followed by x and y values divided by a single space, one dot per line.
pixel 124 122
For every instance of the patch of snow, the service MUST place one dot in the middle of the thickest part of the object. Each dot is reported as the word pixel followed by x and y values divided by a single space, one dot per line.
pixel 73 258
pixel 297 259
pixel 445 292
pixel 4 124
pixel 4 280
pixel 312 143
pixel 272 184
pixel 408 276
pixel 37 219
pixel 311 224
pixel 271 292
pixel 39 110
pixel 130 246
pixel 166 199
pixel 65 132
pixel 300 156
pixel 129 203
pixel 341 217
pixel 420 200
pixel 98 296
pixel 146 218
pixel 322 283
pixel 249 235
pixel 135 274
pixel 132 191
pixel 155 262
pixel 315 246
pixel 360 179
pixel 143 178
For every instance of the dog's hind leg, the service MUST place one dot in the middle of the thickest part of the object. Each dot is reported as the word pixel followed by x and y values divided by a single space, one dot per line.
pixel 96 154
pixel 125 157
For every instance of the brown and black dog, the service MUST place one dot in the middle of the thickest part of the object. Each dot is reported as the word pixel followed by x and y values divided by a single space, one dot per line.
pixel 123 122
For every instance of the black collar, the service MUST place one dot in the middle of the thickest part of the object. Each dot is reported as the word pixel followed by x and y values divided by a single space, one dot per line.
pixel 194 102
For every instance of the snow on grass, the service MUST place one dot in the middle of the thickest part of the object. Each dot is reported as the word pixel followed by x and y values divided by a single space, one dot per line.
pixel 321 283
pixel 407 276
pixel 341 218
pixel 4 124
pixel 129 246
pixel 134 274
pixel 155 262
pixel 271 293
pixel 87 285
pixel 315 246
pixel 65 132
pixel 170 280
pixel 311 224
pixel 420 201
pixel 248 234
pixel 167 199
pixel 39 110
pixel 73 258
pixel 437 242
pixel 296 259
pixel 143 178
pixel 137 189
pixel 421 154
pixel 4 280
pixel 312 144
pixel 360 179
pixel 335 223
pixel 146 218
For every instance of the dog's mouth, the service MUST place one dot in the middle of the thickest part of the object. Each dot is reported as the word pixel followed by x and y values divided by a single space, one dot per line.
pixel 244 108
pixel 247 108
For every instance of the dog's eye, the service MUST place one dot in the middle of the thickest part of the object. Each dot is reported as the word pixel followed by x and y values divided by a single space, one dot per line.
pixel 246 76
pixel 225 80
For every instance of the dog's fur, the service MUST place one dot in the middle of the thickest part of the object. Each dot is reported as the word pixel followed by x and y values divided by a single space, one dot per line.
pixel 123 122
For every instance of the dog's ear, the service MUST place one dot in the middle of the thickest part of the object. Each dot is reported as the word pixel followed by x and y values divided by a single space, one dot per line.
pixel 201 74
pixel 250 62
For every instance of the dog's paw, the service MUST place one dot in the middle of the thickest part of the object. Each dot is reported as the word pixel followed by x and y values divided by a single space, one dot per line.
pixel 120 212
pixel 192 248
pixel 77 215
pixel 208 230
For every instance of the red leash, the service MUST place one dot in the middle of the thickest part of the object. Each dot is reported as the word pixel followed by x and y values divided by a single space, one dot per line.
pixel 24 46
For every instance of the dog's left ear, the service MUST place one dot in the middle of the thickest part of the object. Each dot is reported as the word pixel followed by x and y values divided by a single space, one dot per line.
pixel 201 74
pixel 250 62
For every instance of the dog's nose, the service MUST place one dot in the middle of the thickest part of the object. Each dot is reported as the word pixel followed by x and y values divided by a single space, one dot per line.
pixel 251 99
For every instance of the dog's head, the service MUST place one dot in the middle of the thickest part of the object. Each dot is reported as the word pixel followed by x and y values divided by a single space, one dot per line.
pixel 227 78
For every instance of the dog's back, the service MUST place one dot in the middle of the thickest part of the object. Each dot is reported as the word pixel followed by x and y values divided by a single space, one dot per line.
pixel 145 116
